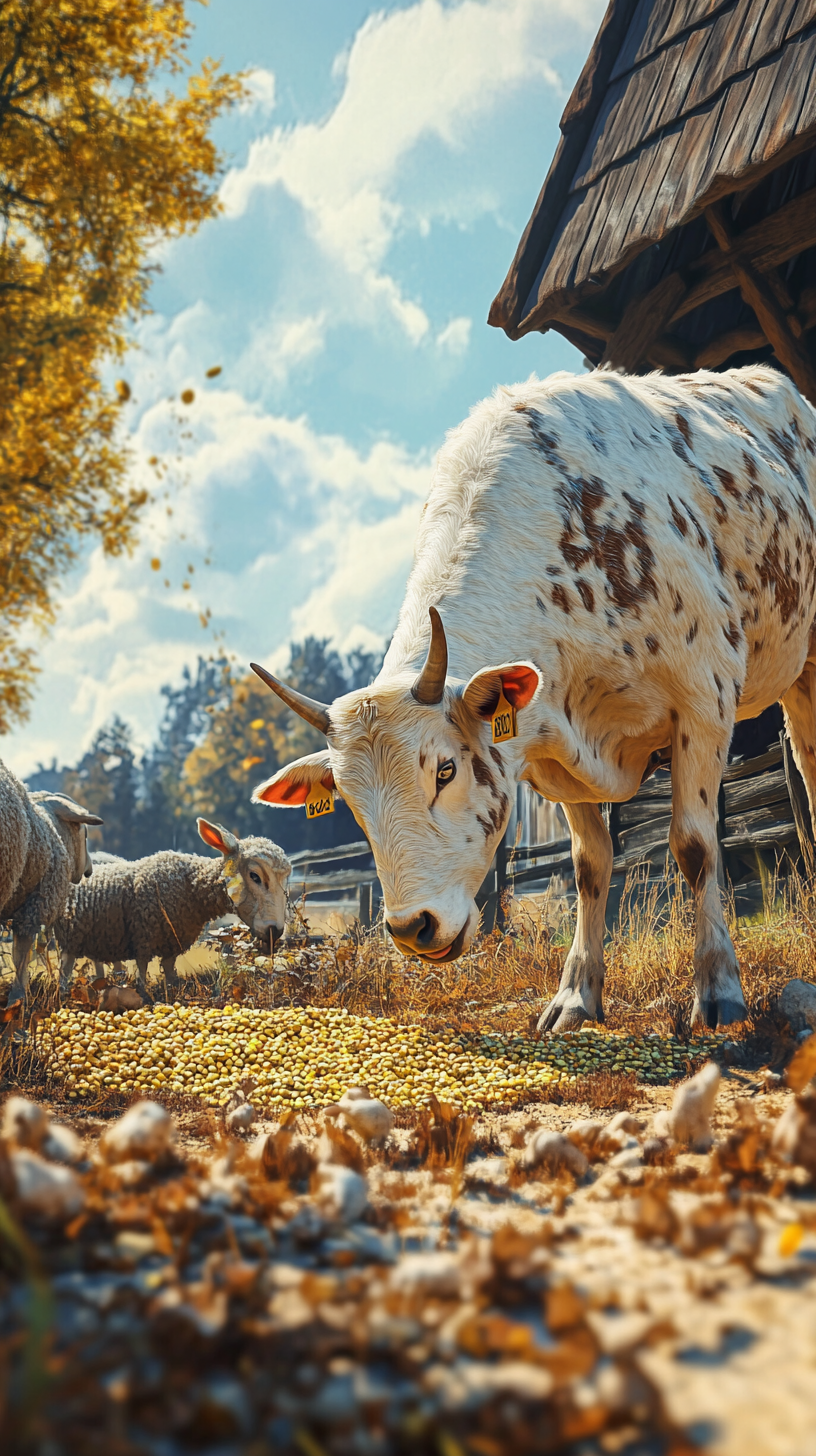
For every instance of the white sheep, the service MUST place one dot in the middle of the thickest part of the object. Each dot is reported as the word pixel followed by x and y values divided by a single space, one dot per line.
pixel 158 906
pixel 364 1114
pixel 689 1120
pixel 43 850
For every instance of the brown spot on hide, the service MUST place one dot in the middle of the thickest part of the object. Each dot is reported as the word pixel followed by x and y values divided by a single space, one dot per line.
pixel 519 408
pixel 554 570
pixel 692 632
pixel 684 427
pixel 728 482
pixel 704 796
pixel 487 829
pixel 732 635
pixel 541 606
pixel 561 599
pixel 497 759
pixel 718 682
pixel 482 774
pixel 719 558
pixel 678 602
pixel 775 571
pixel 754 387
pixel 584 877
pixel 758 646
pixel 422 760
pixel 673 714
pixel 620 759
pixel 737 692
pixel 586 538
pixel 628 649
pixel 702 541
pixel 567 709
pixel 742 581
pixel 652 644
pixel 624 688
pixel 693 860
pixel 586 594
pixel 680 523
pixel 684 739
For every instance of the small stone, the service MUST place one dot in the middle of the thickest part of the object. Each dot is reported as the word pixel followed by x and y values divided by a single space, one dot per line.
pixel 364 1114
pixel 240 1119
pixel 554 1153
pixel 61 1144
pixel 798 1003
pixel 145 1131
pixel 689 1121
pixel 24 1123
pixel 342 1194
pixel 46 1191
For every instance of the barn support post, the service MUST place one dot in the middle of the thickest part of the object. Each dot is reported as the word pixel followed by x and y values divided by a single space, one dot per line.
pixel 364 911
pixel 782 330
pixel 642 324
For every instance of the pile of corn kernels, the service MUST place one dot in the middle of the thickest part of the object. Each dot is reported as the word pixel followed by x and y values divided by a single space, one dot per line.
pixel 306 1057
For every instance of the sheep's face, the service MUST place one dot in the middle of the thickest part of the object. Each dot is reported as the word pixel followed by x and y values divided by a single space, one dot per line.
pixel 255 872
pixel 263 904
pixel 71 822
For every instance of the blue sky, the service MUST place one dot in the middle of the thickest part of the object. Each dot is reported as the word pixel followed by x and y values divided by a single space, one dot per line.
pixel 378 182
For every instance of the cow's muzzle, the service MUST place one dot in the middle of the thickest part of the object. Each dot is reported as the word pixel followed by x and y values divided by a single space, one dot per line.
pixel 417 937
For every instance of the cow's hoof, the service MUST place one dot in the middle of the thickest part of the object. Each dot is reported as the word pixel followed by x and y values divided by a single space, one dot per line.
pixel 719 1011
pixel 565 1013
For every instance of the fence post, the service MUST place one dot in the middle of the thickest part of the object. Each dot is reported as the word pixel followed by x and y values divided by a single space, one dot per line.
pixel 799 803
pixel 364 913
pixel 501 884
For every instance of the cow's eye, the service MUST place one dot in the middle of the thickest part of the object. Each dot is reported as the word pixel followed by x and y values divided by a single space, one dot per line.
pixel 445 773
pixel 256 879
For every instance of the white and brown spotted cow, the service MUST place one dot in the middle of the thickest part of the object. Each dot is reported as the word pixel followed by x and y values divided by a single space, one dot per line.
pixel 633 561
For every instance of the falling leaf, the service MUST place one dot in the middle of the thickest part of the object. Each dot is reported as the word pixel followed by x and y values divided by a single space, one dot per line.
pixel 212 373
pixel 185 586
pixel 187 396
pixel 155 563
pixel 250 762
pixel 123 390
pixel 257 723
pixel 790 1239
pixel 154 460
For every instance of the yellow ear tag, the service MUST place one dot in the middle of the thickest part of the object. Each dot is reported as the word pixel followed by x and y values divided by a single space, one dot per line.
pixel 319 801
pixel 503 721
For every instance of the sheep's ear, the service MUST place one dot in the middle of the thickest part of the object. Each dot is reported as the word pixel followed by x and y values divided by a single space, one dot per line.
pixel 65 809
pixel 290 786
pixel 216 836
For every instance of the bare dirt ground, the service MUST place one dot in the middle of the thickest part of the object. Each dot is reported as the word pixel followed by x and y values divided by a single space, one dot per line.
pixel 231 1296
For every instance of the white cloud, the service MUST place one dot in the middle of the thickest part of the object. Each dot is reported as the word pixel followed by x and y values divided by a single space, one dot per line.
pixel 428 71
pixel 305 534
pixel 455 336
pixel 260 85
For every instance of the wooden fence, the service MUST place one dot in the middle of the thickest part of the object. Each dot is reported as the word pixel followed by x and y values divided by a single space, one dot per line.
pixel 763 828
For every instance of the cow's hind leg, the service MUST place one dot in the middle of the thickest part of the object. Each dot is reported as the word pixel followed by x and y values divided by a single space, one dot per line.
pixel 580 995
pixel 698 757
pixel 799 707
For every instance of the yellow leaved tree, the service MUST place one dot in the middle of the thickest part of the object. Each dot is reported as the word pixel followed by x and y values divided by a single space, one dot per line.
pixel 103 151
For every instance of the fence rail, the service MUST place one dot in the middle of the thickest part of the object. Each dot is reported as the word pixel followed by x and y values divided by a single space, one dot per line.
pixel 763 820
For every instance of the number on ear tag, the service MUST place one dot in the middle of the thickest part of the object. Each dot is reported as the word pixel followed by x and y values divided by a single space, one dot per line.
pixel 319 801
pixel 503 721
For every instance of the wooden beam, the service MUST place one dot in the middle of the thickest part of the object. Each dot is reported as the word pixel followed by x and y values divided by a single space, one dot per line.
pixel 643 323
pixel 757 292
pixel 768 244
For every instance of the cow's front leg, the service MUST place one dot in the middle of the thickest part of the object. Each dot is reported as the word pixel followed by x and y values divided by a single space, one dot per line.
pixel 696 774
pixel 580 994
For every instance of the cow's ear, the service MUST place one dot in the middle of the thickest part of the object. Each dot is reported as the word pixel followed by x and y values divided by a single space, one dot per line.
pixel 517 680
pixel 289 787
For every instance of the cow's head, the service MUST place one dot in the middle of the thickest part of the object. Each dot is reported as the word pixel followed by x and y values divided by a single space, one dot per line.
pixel 413 758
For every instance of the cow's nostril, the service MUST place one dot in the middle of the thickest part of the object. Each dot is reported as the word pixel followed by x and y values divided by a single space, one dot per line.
pixel 419 932
pixel 425 935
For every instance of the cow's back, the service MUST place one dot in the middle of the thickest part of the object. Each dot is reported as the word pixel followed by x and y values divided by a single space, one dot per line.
pixel 659 521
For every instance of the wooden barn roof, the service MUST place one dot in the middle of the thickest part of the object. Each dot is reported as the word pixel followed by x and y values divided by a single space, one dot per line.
pixel 688 153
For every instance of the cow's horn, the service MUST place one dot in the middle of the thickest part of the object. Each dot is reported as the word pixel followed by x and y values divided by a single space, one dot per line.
pixel 315 713
pixel 430 685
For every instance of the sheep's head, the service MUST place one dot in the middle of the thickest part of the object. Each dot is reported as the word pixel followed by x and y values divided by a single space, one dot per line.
pixel 72 822
pixel 256 872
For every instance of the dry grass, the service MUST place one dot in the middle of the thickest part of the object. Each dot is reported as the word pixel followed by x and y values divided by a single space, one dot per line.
pixel 502 983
